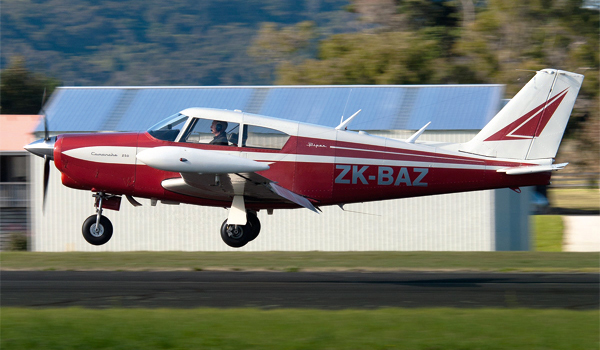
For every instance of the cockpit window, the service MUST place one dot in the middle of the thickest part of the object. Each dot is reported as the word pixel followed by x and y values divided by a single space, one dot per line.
pixel 209 131
pixel 168 129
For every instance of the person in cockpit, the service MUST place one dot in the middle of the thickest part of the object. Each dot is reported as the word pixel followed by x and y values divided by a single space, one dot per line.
pixel 219 129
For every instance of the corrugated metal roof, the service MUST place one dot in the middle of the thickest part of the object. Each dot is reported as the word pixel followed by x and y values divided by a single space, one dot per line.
pixel 384 107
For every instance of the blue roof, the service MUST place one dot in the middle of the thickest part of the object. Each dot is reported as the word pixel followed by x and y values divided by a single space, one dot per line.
pixel 384 107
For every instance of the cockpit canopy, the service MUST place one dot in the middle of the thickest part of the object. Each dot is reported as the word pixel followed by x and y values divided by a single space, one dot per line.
pixel 182 128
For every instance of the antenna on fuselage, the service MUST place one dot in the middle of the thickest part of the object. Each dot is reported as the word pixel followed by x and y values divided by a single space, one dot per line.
pixel 346 105
pixel 416 135
pixel 344 124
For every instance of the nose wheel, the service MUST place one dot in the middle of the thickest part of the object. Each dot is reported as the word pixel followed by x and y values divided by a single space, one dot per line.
pixel 97 229
pixel 97 233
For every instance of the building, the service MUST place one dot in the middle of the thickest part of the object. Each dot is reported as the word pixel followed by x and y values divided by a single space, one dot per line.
pixel 476 221
pixel 15 132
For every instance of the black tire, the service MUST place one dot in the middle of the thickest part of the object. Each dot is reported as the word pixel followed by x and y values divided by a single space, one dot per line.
pixel 235 236
pixel 101 237
pixel 255 223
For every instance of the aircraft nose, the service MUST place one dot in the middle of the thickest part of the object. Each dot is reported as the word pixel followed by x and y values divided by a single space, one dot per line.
pixel 42 148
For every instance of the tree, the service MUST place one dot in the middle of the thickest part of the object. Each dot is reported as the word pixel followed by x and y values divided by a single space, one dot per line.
pixel 365 58
pixel 21 91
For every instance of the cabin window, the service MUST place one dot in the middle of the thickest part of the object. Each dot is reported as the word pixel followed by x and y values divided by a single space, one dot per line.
pixel 213 132
pixel 261 137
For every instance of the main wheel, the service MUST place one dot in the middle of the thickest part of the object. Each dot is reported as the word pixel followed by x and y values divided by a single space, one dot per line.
pixel 99 235
pixel 236 236
pixel 255 223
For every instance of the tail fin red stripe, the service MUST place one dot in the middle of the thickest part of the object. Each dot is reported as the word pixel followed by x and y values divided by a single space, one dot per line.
pixel 532 123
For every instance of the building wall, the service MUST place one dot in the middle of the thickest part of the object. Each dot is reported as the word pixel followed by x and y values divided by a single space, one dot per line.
pixel 15 132
pixel 455 222
pixel 512 227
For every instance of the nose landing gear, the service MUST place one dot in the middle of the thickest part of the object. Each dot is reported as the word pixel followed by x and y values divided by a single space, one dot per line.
pixel 97 229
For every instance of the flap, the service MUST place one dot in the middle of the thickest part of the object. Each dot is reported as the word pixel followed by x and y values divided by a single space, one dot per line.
pixel 254 188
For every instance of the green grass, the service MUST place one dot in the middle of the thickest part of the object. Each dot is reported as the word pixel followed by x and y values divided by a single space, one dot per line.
pixel 304 261
pixel 439 329
pixel 548 233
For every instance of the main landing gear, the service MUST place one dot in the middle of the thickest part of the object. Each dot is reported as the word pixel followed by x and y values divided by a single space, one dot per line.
pixel 97 229
pixel 237 236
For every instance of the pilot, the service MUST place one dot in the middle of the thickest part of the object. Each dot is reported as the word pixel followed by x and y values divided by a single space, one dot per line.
pixel 218 128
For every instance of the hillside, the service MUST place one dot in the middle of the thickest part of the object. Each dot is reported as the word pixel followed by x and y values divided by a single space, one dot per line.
pixel 145 42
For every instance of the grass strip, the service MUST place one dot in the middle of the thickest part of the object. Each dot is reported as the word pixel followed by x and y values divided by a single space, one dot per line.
pixel 305 261
pixel 440 328
pixel 548 233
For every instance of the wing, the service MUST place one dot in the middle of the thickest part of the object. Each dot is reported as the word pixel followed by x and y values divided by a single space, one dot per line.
pixel 224 177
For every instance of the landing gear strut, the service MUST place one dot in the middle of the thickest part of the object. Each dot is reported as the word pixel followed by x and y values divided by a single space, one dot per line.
pixel 97 229
pixel 237 236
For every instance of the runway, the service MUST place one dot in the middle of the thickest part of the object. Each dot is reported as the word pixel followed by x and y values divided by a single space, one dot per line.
pixel 320 290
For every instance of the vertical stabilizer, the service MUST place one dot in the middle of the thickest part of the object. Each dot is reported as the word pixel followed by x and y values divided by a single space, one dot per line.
pixel 532 124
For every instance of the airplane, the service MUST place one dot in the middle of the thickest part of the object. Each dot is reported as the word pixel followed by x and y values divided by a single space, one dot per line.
pixel 248 162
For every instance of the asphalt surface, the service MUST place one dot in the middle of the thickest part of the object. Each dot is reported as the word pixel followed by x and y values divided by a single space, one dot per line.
pixel 321 290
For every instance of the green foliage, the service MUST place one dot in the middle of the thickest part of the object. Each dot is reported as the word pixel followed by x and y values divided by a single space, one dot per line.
pixel 21 91
pixel 393 328
pixel 149 42
pixel 18 241
pixel 391 58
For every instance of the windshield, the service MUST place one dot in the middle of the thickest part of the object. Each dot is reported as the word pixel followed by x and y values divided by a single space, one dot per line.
pixel 169 128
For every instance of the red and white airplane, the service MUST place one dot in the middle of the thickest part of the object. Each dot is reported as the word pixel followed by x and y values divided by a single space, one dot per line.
pixel 250 162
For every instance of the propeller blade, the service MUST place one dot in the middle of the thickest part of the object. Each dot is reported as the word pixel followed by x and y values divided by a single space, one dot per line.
pixel 46 134
pixel 46 178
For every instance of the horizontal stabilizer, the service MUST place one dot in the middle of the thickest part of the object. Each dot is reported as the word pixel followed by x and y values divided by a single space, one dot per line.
pixel 291 196
pixel 522 170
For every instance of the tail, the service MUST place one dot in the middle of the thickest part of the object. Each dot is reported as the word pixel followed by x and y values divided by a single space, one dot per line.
pixel 532 124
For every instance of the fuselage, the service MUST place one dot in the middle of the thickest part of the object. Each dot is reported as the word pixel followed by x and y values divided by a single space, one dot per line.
pixel 325 165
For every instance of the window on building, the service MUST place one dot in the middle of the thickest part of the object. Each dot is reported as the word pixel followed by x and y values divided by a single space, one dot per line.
pixel 13 168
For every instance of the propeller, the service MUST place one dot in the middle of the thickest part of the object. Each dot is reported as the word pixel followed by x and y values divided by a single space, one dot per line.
pixel 44 148
pixel 46 137
pixel 46 158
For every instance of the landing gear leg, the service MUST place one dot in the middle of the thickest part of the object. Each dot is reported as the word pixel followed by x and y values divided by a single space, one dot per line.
pixel 97 229
pixel 237 236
